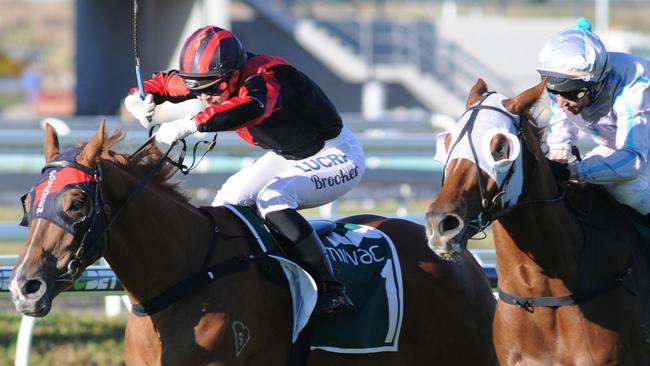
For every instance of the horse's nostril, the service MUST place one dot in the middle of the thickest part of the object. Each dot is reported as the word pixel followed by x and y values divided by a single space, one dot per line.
pixel 31 287
pixel 449 223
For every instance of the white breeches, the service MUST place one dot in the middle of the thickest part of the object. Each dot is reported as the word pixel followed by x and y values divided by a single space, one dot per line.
pixel 273 183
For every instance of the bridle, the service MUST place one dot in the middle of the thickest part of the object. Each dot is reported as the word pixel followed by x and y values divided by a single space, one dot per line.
pixel 494 208
pixel 92 231
pixel 95 238
pixel 88 231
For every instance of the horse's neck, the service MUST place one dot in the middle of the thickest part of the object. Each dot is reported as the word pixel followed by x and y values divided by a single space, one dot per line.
pixel 157 240
pixel 538 242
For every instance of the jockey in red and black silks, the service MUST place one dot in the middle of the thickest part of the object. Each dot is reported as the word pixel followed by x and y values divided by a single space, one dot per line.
pixel 312 158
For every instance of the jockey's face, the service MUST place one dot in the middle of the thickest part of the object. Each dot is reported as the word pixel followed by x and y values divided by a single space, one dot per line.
pixel 219 98
pixel 571 106
pixel 575 101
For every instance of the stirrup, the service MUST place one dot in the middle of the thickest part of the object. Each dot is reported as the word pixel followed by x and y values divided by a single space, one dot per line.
pixel 331 301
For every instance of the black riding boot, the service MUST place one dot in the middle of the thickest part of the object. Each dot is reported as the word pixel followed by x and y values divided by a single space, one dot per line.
pixel 303 245
pixel 310 253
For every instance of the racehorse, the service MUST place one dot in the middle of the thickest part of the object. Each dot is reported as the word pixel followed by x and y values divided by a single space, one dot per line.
pixel 124 208
pixel 572 269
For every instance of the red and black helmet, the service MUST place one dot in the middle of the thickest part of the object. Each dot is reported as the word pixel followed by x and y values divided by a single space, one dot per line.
pixel 210 52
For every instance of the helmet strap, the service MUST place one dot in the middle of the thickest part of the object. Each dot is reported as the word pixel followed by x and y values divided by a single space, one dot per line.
pixel 593 93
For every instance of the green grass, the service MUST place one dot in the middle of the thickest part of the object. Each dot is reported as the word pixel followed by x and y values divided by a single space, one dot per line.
pixel 66 338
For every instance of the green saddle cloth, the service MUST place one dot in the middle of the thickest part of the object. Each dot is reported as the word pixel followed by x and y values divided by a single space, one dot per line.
pixel 365 259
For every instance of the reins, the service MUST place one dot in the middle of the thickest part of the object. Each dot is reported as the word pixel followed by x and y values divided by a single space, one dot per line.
pixel 528 303
pixel 205 276
pixel 102 209
pixel 488 214
pixel 179 163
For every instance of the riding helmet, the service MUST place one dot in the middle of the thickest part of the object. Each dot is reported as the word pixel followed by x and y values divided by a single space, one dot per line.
pixel 210 52
pixel 573 57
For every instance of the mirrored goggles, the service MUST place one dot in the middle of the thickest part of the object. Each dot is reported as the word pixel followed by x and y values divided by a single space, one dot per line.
pixel 571 95
pixel 208 86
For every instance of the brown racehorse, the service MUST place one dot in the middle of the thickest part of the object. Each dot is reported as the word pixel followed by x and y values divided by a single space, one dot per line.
pixel 572 270
pixel 153 238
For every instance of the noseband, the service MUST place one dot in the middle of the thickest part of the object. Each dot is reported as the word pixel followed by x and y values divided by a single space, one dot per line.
pixel 489 208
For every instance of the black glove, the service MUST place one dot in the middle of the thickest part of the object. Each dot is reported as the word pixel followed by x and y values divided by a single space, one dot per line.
pixel 560 170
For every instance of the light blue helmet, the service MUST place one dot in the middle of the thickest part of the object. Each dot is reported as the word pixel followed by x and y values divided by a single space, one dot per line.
pixel 574 54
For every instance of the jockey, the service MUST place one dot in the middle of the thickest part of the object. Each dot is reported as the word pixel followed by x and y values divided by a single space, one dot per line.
pixel 607 96
pixel 311 158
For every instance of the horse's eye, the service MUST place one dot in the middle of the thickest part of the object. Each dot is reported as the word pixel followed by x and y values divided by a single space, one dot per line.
pixel 77 204
pixel 500 147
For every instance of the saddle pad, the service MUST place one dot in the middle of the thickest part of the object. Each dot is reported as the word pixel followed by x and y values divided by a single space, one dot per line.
pixel 301 286
pixel 365 259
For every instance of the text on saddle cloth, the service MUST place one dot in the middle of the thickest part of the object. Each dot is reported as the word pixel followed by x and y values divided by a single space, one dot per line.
pixel 365 259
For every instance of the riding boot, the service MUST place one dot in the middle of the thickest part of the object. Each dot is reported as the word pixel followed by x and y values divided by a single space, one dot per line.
pixel 298 239
pixel 310 253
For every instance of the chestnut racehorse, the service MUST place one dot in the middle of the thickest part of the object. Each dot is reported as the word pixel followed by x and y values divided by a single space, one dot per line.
pixel 124 208
pixel 572 269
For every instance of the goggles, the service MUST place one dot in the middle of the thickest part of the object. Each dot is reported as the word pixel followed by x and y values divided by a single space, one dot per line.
pixel 208 86
pixel 569 89
pixel 572 95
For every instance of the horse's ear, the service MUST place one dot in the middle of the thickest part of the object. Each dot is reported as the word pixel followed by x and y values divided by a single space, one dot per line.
pixel 475 93
pixel 521 102
pixel 93 148
pixel 50 143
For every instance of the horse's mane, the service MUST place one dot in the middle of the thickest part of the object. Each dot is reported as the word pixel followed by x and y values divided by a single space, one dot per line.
pixel 538 132
pixel 141 164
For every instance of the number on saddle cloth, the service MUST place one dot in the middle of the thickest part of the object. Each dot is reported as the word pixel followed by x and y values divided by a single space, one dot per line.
pixel 365 259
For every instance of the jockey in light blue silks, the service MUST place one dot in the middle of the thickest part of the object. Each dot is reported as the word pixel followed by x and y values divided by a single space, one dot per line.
pixel 606 95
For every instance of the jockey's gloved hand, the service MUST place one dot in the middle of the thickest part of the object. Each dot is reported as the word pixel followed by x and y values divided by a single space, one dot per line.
pixel 141 109
pixel 169 132
pixel 560 155
pixel 560 171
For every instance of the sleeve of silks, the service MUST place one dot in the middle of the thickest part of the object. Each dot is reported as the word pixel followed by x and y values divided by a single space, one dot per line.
pixel 256 99
pixel 166 86
pixel 632 141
